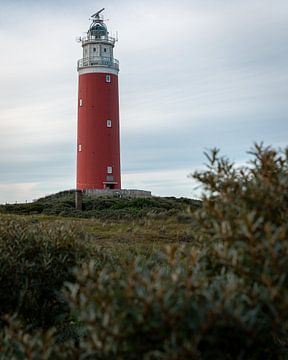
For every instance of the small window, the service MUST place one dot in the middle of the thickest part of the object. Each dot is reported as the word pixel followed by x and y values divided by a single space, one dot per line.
pixel 109 123
pixel 81 102
pixel 94 49
pixel 108 78
pixel 109 169
pixel 105 49
pixel 79 147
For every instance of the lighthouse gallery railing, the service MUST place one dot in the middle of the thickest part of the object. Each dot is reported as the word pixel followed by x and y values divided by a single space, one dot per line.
pixel 98 61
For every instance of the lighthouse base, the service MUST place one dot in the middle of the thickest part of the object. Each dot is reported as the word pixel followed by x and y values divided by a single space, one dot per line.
pixel 120 193
pixel 116 193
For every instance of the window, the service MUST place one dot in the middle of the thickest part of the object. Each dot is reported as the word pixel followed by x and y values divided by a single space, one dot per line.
pixel 79 147
pixel 105 49
pixel 94 49
pixel 81 102
pixel 109 169
pixel 108 78
pixel 109 123
pixel 109 178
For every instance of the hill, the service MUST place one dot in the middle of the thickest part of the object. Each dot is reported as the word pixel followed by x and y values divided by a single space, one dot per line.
pixel 105 208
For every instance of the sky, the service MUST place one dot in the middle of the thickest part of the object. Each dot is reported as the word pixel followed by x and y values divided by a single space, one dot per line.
pixel 194 74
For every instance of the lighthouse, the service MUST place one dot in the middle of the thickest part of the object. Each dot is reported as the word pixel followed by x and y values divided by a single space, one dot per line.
pixel 98 135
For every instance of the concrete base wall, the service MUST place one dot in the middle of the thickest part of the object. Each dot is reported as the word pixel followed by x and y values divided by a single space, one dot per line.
pixel 118 193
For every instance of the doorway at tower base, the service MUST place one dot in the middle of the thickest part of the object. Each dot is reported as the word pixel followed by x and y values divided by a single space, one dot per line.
pixel 120 193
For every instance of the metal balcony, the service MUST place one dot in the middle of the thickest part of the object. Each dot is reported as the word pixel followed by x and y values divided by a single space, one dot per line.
pixel 94 39
pixel 98 61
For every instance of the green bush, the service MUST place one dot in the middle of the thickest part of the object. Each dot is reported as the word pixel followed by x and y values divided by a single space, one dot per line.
pixel 104 208
pixel 244 223
pixel 224 296
pixel 169 309
pixel 227 301
pixel 35 261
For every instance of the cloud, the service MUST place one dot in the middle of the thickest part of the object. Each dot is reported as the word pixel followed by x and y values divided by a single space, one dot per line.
pixel 16 192
pixel 164 183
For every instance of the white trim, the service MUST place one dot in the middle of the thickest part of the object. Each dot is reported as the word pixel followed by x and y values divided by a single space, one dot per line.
pixel 102 69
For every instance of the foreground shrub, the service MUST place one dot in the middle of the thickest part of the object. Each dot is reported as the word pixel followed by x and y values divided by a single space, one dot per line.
pixel 35 261
pixel 162 312
pixel 228 301
pixel 244 221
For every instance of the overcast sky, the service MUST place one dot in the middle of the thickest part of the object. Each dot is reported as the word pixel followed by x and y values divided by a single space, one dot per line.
pixel 193 75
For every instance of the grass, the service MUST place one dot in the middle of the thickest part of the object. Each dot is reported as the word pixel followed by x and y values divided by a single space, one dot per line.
pixel 124 227
pixel 118 243
pixel 146 233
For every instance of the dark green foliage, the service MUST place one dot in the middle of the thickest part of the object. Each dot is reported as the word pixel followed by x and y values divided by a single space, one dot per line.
pixel 35 261
pixel 244 223
pixel 104 208
pixel 169 308
pixel 23 209
pixel 223 296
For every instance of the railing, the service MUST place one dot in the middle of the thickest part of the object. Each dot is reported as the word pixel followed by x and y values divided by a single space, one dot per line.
pixel 93 38
pixel 98 61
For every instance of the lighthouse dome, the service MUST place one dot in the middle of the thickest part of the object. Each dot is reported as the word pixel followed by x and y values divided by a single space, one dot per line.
pixel 98 29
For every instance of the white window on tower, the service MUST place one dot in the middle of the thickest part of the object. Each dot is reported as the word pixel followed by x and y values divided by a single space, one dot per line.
pixel 108 78
pixel 109 170
pixel 79 147
pixel 81 102
pixel 109 123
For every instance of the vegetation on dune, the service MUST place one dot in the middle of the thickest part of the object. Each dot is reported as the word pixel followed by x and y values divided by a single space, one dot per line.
pixel 221 294
pixel 104 208
pixel 35 261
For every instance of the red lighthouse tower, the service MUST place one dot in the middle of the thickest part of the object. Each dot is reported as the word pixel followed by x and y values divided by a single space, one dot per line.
pixel 98 140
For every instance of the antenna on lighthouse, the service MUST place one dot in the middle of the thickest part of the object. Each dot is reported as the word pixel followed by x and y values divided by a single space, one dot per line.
pixel 96 16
